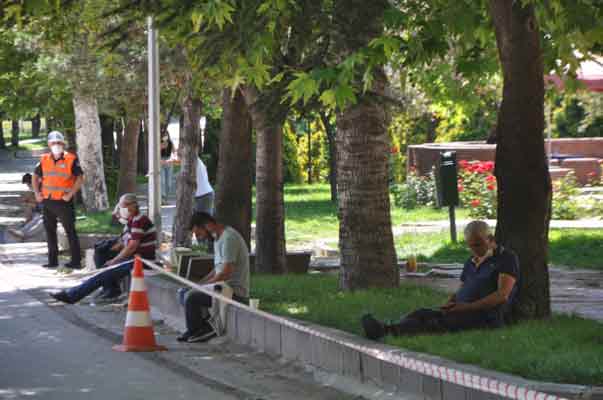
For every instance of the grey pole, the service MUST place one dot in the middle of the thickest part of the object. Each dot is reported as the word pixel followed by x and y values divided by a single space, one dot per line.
pixel 153 126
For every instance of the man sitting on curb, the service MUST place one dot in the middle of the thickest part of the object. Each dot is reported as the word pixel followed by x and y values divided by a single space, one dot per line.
pixel 32 211
pixel 488 289
pixel 107 249
pixel 142 242
pixel 231 265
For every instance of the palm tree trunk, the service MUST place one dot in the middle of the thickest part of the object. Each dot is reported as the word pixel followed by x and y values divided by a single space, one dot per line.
pixel 234 177
pixel 524 183
pixel 90 151
pixel 368 257
pixel 188 150
pixel 268 117
pixel 128 157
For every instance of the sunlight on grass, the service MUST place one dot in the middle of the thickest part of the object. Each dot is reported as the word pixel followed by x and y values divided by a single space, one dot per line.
pixel 563 349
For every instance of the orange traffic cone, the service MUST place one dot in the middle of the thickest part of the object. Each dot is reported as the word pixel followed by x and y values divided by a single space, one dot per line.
pixel 138 334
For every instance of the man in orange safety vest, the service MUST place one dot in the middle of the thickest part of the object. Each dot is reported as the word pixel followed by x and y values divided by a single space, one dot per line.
pixel 61 177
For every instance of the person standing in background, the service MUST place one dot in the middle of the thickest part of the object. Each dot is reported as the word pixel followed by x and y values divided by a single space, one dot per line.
pixel 61 177
pixel 167 168
pixel 204 196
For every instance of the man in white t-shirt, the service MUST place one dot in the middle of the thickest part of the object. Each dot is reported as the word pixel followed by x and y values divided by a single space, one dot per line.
pixel 204 196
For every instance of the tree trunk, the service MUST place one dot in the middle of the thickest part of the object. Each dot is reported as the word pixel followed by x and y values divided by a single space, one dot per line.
pixel 90 151
pixel 524 183
pixel 35 126
pixel 188 150
pixel 309 157
pixel 128 157
pixel 235 175
pixel 107 127
pixel 2 142
pixel 368 257
pixel 330 131
pixel 14 139
pixel 268 116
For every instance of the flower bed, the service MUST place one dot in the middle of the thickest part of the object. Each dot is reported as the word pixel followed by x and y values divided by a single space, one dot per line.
pixel 477 188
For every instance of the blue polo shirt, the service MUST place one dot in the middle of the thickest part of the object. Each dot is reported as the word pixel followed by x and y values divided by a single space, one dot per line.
pixel 480 282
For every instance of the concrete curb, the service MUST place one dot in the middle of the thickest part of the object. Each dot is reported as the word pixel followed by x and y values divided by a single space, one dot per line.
pixel 346 355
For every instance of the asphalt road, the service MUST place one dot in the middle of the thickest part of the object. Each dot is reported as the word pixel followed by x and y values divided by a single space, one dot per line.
pixel 45 356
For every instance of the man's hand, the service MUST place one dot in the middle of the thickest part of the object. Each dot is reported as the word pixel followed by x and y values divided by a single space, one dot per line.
pixel 168 266
pixel 39 197
pixel 448 306
pixel 111 262
pixel 67 197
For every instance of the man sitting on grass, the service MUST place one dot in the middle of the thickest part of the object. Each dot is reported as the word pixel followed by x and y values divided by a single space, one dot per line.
pixel 142 241
pixel 231 268
pixel 488 289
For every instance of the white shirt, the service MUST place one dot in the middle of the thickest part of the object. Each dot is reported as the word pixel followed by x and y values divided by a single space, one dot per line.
pixel 203 185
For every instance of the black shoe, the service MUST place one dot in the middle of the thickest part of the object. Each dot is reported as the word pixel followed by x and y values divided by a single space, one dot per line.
pixel 50 266
pixel 62 296
pixel 184 337
pixel 373 329
pixel 72 265
pixel 204 334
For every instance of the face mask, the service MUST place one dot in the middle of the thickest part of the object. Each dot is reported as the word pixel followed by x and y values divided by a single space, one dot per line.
pixel 56 149
pixel 124 213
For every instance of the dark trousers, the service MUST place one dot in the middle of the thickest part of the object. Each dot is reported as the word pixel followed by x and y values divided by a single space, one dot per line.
pixel 103 252
pixel 196 307
pixel 108 280
pixel 425 321
pixel 65 213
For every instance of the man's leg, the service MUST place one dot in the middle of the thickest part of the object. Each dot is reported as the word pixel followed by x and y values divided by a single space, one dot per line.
pixel 50 225
pixel 422 321
pixel 196 310
pixel 67 218
pixel 107 279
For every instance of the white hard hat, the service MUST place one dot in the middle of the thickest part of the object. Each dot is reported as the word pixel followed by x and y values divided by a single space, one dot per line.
pixel 56 136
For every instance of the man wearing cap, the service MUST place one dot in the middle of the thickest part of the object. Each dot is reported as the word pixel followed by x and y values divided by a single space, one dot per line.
pixel 61 177
pixel 142 241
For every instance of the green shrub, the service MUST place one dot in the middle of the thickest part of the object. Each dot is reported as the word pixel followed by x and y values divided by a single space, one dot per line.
pixel 416 191
pixel 565 205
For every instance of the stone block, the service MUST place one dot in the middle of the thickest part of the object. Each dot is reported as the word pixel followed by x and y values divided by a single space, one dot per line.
pixel 410 381
pixel 320 352
pixel 432 388
pixel 451 391
pixel 231 322
pixel 390 376
pixel 371 369
pixel 258 332
pixel 243 327
pixel 272 342
pixel 351 363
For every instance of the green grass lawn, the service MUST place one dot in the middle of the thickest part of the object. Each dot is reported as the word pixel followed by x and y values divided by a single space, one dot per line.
pixel 99 222
pixel 310 214
pixel 568 247
pixel 563 349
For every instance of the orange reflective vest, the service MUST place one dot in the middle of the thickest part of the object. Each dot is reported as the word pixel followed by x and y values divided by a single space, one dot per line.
pixel 57 177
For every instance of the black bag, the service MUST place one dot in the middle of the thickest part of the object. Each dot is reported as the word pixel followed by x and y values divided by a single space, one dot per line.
pixel 103 252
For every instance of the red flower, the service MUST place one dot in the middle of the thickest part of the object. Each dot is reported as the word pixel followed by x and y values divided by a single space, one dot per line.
pixel 490 179
pixel 463 164
pixel 475 202
pixel 394 150
pixel 489 165
pixel 460 188
pixel 491 187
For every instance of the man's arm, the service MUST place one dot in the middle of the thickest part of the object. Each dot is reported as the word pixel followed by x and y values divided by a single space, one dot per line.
pixel 224 275
pixel 125 253
pixel 506 283
pixel 79 180
pixel 35 183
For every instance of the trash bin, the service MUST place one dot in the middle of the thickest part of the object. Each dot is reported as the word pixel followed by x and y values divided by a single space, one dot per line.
pixel 446 180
